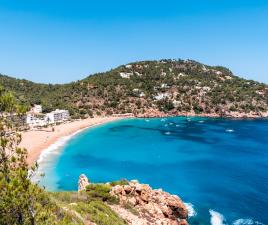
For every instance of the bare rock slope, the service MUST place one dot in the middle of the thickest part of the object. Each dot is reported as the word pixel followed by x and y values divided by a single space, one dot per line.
pixel 139 204
pixel 148 206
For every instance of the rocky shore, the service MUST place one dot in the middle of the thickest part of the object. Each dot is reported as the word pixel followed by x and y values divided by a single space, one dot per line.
pixel 151 206
pixel 226 114
pixel 139 204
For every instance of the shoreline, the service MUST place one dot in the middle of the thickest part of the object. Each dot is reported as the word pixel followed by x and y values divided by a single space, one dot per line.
pixel 235 115
pixel 36 141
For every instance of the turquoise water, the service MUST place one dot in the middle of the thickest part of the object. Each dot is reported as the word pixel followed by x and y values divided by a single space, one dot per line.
pixel 218 166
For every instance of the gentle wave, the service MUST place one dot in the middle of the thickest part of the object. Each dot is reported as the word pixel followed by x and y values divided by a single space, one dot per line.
pixel 50 152
pixel 191 210
pixel 216 218
pixel 243 222
pixel 53 149
pixel 246 222
pixel 230 130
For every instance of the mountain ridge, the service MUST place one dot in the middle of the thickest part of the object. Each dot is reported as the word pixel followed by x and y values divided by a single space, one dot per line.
pixel 150 88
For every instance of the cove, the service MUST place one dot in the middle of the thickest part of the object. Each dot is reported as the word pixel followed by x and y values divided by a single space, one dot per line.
pixel 218 166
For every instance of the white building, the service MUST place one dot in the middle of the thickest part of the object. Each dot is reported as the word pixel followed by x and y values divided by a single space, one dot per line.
pixel 59 115
pixel 161 96
pixel 125 75
pixel 34 121
pixel 30 118
pixel 36 109
pixel 129 66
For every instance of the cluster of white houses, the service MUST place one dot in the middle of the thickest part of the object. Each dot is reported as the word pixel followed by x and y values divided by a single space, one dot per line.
pixel 35 118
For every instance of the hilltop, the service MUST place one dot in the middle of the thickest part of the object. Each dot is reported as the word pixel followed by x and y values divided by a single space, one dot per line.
pixel 150 88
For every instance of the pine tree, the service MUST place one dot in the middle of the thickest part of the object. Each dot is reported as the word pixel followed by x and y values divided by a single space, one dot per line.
pixel 18 196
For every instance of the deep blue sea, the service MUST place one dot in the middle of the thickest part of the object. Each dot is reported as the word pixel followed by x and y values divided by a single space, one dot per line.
pixel 219 167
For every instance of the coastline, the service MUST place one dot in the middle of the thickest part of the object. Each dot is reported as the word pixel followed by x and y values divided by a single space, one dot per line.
pixel 36 141
pixel 233 115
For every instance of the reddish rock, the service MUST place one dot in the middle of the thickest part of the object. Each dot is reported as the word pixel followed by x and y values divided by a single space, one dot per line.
pixel 183 222
pixel 127 189
pixel 153 206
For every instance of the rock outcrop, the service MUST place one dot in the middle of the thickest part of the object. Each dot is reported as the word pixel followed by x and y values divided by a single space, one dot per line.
pixel 140 204
pixel 82 182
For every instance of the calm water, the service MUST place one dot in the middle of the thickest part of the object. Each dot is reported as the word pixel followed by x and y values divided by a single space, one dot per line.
pixel 218 166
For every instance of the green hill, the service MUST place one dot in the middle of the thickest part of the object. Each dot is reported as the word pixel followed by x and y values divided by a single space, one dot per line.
pixel 168 87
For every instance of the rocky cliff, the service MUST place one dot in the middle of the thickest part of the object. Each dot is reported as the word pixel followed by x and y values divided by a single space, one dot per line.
pixel 139 204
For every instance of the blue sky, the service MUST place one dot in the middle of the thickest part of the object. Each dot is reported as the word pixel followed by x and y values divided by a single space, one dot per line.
pixel 57 41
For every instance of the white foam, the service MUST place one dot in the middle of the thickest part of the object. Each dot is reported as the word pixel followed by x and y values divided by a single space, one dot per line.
pixel 167 133
pixel 177 125
pixel 216 218
pixel 190 208
pixel 246 222
pixel 259 223
pixel 201 121
pixel 53 149
pixel 50 152
pixel 243 222
pixel 229 130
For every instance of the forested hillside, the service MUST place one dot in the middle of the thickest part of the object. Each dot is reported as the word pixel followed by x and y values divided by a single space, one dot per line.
pixel 170 87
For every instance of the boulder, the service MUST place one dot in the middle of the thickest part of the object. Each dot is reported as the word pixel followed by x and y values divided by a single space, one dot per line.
pixel 128 189
pixel 83 182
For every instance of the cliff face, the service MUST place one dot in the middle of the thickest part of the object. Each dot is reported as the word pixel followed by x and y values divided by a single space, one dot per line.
pixel 139 204
pixel 149 206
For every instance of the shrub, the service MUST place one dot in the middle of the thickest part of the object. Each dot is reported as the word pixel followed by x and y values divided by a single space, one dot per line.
pixel 99 213
pixel 100 192
pixel 119 182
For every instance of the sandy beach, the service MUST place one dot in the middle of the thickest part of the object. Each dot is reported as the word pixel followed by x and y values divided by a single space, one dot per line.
pixel 35 141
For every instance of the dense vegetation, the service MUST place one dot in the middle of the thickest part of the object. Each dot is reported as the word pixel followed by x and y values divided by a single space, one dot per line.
pixel 91 205
pixel 170 86
pixel 21 201
pixel 25 203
